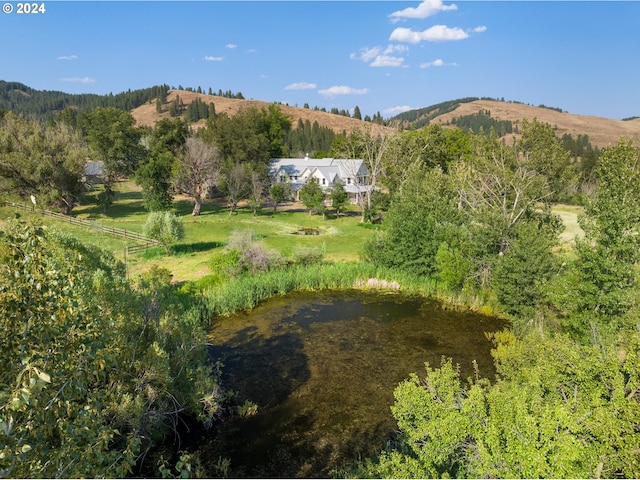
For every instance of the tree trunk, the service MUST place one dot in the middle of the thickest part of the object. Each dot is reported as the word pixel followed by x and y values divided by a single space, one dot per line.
pixel 197 205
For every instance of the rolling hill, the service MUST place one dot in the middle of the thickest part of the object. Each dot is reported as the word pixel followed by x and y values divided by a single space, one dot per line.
pixel 147 115
pixel 601 131
pixel 46 104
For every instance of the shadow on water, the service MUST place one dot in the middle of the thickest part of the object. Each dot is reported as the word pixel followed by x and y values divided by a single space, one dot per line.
pixel 322 367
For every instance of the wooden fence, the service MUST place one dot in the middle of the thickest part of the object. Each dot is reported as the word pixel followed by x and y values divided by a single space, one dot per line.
pixel 143 244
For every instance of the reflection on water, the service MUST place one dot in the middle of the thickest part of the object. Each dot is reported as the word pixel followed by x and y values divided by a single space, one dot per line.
pixel 322 367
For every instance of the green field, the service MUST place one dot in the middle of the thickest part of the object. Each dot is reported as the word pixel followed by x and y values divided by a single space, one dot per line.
pixel 341 238
pixel 569 215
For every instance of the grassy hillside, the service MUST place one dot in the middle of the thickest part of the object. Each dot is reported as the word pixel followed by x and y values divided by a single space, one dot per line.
pixel 142 104
pixel 147 114
pixel 601 131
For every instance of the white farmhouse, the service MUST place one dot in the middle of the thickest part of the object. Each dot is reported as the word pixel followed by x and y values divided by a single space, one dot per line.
pixel 352 174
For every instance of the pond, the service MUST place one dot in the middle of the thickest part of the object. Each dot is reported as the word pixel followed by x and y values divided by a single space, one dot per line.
pixel 322 367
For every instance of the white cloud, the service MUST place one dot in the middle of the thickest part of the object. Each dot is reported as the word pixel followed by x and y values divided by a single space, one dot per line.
pixel 380 57
pixel 210 58
pixel 366 54
pixel 387 61
pixel 301 86
pixel 342 90
pixel 68 57
pixel 437 33
pixel 426 9
pixel 479 29
pixel 438 63
pixel 79 79
pixel 396 110
pixel 231 45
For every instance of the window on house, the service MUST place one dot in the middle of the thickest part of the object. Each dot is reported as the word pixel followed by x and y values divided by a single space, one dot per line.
pixel 349 181
pixel 324 181
pixel 281 178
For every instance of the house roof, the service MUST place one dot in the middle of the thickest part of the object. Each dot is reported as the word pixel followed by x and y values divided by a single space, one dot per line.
pixel 330 173
pixel 295 166
pixel 94 168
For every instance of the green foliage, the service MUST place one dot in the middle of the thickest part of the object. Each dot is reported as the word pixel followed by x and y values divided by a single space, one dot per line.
pixel 544 153
pixel 481 122
pixel 453 266
pixel 247 291
pixel 44 161
pixel 155 176
pixel 198 110
pixel 307 255
pixel 557 410
pixel 422 116
pixel 429 146
pixel 115 140
pixel 422 215
pixel 166 227
pixel 278 193
pixel 312 196
pixel 42 104
pixel 93 370
pixel 604 276
pixel 339 197
pixel 522 274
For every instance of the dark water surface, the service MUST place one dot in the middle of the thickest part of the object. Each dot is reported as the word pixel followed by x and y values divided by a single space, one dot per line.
pixel 322 367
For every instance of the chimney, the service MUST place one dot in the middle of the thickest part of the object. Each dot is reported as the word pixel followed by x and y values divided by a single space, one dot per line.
pixel 306 157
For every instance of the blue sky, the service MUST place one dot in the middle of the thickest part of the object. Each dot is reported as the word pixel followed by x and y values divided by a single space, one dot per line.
pixel 383 56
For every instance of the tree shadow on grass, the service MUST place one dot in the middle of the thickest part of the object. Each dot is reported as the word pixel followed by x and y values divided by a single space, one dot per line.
pixel 187 248
pixel 185 207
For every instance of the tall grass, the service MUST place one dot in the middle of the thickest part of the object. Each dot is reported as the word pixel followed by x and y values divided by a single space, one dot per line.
pixel 248 291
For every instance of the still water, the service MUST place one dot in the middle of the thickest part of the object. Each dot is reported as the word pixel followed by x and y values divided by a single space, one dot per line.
pixel 322 367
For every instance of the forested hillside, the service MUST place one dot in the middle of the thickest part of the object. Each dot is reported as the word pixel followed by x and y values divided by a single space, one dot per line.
pixel 44 104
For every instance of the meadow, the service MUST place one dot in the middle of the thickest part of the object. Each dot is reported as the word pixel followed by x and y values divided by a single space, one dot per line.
pixel 340 238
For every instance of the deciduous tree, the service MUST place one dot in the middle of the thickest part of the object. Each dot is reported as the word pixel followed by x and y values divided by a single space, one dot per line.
pixel 165 227
pixel 44 161
pixel 199 167
pixel 278 194
pixel 115 140
pixel 339 197
pixel 312 196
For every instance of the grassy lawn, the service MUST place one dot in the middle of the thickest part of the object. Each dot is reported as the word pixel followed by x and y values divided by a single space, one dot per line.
pixel 569 215
pixel 340 238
